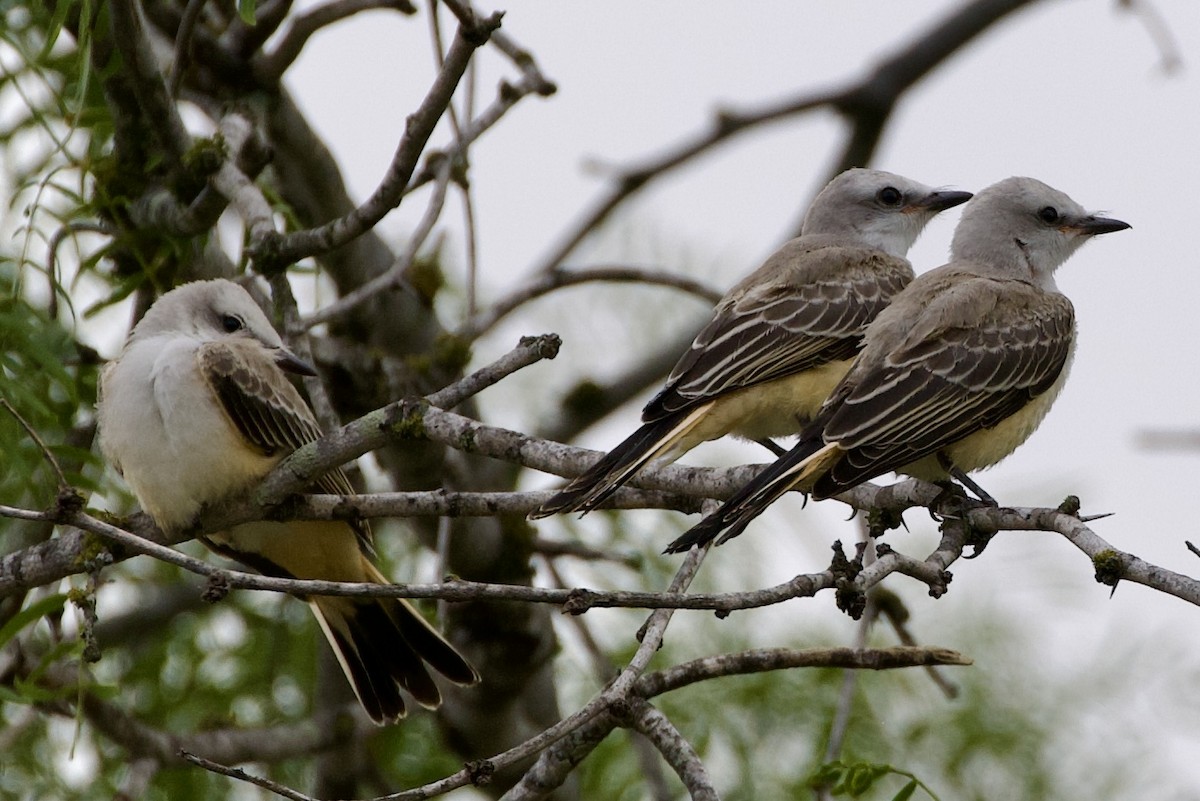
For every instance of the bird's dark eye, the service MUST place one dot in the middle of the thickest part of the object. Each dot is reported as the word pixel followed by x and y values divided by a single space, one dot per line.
pixel 1048 215
pixel 890 196
pixel 231 323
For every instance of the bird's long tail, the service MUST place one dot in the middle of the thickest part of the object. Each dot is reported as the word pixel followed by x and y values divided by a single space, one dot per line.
pixel 652 441
pixel 797 468
pixel 384 644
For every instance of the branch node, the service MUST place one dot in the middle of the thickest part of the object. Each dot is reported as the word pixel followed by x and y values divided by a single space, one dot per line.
pixel 406 419
pixel 1110 567
pixel 727 121
pixel 1070 506
pixel 67 503
pixel 851 601
pixel 217 588
pixel 481 771
pixel 622 709
pixel 480 30
pixel 545 345
pixel 937 590
pixel 578 602
pixel 881 521
pixel 265 251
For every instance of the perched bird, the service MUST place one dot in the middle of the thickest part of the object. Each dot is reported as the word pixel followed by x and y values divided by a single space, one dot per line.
pixel 197 409
pixel 781 339
pixel 956 373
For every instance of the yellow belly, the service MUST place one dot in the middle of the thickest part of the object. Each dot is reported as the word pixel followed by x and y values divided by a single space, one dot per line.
pixel 988 446
pixel 777 408
pixel 306 549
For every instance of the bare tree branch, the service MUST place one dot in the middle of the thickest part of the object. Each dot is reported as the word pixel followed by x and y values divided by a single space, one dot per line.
pixel 644 718
pixel 1160 32
pixel 269 67
pixel 242 776
pixel 183 45
pixel 530 350
pixel 483 322
pixel 137 52
pixel 394 276
pixel 284 249
pixel 867 102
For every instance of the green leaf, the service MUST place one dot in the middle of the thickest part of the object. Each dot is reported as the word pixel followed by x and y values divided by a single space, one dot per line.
pixel 246 11
pixel 906 792
pixel 828 774
pixel 861 778
pixel 31 614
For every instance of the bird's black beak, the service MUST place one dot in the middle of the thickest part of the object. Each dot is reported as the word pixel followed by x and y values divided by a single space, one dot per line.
pixel 292 363
pixel 1093 225
pixel 941 200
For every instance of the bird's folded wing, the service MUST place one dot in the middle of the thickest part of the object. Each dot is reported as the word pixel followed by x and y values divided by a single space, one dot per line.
pixel 785 325
pixel 951 380
pixel 262 403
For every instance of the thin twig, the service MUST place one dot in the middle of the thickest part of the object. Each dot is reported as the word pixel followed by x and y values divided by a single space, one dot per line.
pixel 33 434
pixel 577 550
pixel 845 704
pixel 891 609
pixel 530 350
pixel 241 775
pixel 868 102
pixel 519 56
pixel 297 337
pixel 651 640
pixel 270 67
pixel 56 240
pixel 283 249
pixel 394 275
pixel 483 322
pixel 602 666
pixel 140 64
pixel 183 45
pixel 763 660
pixel 1170 57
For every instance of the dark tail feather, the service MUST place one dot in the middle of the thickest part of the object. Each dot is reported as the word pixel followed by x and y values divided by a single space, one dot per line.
pixel 383 645
pixel 751 500
pixel 433 648
pixel 589 490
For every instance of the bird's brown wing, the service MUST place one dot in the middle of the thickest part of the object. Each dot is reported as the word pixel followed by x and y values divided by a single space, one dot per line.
pixel 813 310
pixel 949 380
pixel 265 408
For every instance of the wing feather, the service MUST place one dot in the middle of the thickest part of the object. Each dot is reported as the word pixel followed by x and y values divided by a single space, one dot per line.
pixel 265 408
pixel 987 361
pixel 813 311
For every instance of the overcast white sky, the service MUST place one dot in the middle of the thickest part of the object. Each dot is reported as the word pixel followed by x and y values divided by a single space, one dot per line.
pixel 1072 92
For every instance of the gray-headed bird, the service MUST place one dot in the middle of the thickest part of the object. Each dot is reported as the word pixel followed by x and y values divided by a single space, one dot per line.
pixel 197 409
pixel 780 340
pixel 956 373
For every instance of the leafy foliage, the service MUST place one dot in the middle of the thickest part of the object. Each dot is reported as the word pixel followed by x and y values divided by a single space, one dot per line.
pixel 48 381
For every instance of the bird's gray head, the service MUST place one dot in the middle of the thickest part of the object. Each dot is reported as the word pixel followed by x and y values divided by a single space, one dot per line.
pixel 208 311
pixel 1021 226
pixel 881 209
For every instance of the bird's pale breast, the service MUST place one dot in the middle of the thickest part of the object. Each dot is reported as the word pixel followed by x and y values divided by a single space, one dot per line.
pixel 175 446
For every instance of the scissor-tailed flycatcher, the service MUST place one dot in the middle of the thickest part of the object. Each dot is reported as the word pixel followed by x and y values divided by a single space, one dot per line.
pixel 956 373
pixel 782 338
pixel 198 409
